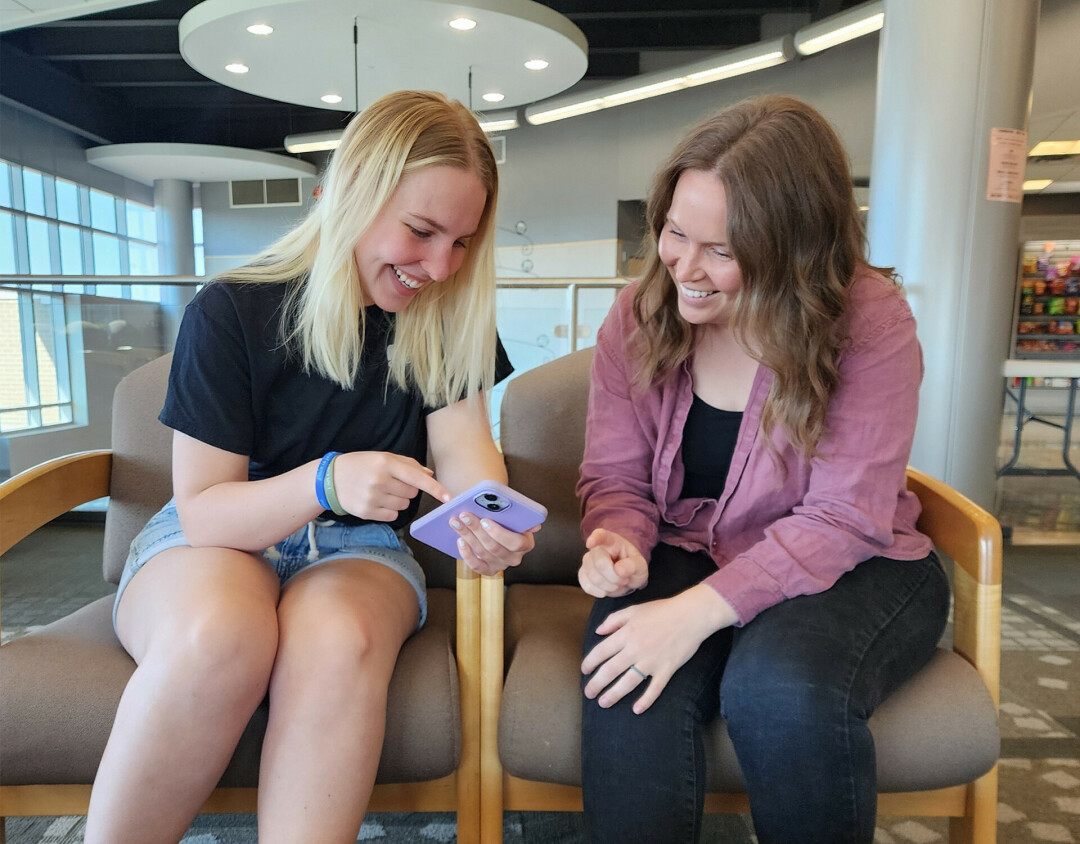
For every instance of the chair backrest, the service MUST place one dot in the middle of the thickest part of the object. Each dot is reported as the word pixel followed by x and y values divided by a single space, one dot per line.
pixel 543 439
pixel 142 460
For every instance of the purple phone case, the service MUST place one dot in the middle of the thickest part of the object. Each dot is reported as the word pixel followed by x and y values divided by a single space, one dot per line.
pixel 434 528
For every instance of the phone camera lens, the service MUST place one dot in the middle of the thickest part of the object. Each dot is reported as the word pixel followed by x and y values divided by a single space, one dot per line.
pixel 487 496
pixel 492 506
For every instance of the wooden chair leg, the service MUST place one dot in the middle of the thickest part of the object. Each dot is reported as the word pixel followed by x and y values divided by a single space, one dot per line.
pixel 491 660
pixel 979 826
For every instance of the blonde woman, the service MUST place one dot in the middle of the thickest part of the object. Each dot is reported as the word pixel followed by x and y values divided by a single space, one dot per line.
pixel 752 545
pixel 305 390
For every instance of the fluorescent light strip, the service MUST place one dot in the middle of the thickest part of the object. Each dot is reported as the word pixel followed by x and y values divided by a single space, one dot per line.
pixel 312 141
pixel 322 141
pixel 1056 148
pixel 846 26
pixel 1037 184
pixel 723 66
pixel 726 71
pixel 562 112
pixel 499 125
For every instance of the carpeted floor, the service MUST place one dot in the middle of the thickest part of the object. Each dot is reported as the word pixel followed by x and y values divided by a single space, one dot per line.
pixel 1040 708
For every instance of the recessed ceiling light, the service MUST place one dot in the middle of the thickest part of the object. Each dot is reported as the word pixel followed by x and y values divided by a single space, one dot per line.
pixel 260 29
pixel 494 97
pixel 331 98
pixel 462 24
pixel 236 67
pixel 536 64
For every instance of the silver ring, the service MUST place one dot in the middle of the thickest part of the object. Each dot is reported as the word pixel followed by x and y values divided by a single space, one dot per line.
pixel 637 670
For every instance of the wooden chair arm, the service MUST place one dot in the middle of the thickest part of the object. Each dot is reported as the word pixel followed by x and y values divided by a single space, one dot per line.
pixel 972 538
pixel 973 542
pixel 37 496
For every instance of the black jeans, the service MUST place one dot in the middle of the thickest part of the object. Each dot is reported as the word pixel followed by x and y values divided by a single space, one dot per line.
pixel 796 687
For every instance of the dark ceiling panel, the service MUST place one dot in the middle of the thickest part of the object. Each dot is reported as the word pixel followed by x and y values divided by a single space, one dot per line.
pixel 119 76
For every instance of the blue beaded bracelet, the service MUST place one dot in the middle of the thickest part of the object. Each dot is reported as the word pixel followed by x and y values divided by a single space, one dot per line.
pixel 320 479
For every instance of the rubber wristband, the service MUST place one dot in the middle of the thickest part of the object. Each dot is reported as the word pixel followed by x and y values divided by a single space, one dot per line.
pixel 331 490
pixel 320 478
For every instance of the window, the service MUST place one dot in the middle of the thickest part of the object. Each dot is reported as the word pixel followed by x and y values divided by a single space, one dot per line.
pixel 103 211
pixel 142 260
pixel 50 226
pixel 106 254
pixel 37 346
pixel 141 222
pixel 5 184
pixel 200 246
pixel 7 244
pixel 71 259
pixel 67 201
pixel 58 227
pixel 33 192
pixel 37 244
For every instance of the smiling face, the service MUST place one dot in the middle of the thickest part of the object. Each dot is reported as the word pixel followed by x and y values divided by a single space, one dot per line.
pixel 693 246
pixel 420 236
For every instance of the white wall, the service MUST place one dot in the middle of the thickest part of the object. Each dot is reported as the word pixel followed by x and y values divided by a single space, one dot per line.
pixel 564 179
pixel 232 235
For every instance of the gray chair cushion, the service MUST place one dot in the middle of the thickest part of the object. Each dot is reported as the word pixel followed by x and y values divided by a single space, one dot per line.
pixel 939 729
pixel 62 684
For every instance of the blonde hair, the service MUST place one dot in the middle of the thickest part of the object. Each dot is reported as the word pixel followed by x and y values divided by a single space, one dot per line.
pixel 444 341
pixel 794 230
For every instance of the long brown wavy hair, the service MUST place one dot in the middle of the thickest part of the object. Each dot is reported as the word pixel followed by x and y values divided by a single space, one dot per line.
pixel 794 230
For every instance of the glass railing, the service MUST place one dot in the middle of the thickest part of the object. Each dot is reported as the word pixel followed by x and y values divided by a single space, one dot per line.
pixel 65 343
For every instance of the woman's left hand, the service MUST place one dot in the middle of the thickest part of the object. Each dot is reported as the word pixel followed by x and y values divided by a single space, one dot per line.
pixel 489 548
pixel 650 642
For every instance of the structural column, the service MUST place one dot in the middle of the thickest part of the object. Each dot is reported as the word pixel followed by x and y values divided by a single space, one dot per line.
pixel 176 250
pixel 949 75
pixel 175 230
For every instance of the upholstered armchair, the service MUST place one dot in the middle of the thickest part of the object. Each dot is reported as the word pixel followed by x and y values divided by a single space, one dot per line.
pixel 61 684
pixel 937 738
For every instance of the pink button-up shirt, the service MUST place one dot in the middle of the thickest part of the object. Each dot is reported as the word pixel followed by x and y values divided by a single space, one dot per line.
pixel 773 535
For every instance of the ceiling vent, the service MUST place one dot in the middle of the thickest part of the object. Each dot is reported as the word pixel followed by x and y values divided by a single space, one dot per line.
pixel 264 193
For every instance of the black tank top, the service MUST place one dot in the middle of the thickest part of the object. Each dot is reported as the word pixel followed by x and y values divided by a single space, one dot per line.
pixel 708 444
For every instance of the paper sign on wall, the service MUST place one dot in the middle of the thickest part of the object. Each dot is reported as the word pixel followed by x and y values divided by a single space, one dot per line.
pixel 1008 155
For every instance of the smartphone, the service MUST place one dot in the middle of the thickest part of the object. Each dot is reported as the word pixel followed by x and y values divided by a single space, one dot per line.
pixel 486 500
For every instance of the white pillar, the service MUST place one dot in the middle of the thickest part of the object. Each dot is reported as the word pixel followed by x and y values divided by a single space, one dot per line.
pixel 175 230
pixel 176 250
pixel 949 73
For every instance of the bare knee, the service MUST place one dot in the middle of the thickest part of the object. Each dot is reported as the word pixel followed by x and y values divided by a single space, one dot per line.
pixel 343 646
pixel 218 633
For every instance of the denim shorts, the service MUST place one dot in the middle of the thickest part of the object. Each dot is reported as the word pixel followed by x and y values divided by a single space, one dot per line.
pixel 314 543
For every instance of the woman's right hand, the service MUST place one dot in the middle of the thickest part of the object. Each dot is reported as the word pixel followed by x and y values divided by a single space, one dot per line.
pixel 378 485
pixel 612 566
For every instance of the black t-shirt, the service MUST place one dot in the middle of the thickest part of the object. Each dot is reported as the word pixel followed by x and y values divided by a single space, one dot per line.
pixel 708 443
pixel 235 386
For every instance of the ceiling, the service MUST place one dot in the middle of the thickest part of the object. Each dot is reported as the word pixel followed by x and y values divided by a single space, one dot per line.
pixel 118 76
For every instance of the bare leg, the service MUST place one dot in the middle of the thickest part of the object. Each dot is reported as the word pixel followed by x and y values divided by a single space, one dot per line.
pixel 201 623
pixel 341 625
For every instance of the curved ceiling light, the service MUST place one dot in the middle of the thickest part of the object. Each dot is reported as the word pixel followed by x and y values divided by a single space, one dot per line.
pixel 836 29
pixel 320 141
pixel 721 66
